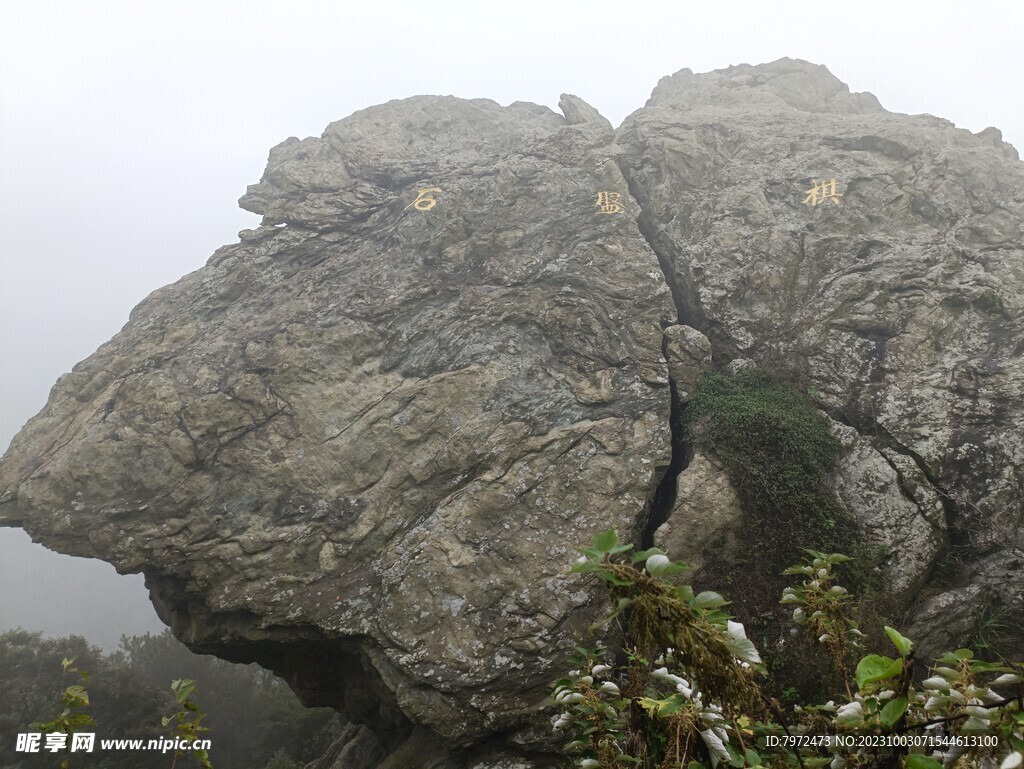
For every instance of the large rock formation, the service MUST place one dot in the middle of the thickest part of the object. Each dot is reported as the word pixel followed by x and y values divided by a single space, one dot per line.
pixel 900 302
pixel 361 445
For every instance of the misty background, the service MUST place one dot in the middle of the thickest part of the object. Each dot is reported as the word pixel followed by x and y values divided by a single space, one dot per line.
pixel 128 130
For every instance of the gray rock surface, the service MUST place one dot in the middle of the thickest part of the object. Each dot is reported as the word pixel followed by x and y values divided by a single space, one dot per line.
pixel 360 445
pixel 374 432
pixel 688 353
pixel 355 748
pixel 705 518
pixel 897 509
pixel 901 304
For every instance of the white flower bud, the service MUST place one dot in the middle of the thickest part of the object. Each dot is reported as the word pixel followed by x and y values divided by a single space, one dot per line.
pixel 609 688
pixel 600 670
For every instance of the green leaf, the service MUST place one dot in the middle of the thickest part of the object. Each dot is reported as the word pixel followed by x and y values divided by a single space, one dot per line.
pixel 752 758
pixel 671 568
pixel 183 688
pixel 622 606
pixel 708 600
pixel 981 666
pixel 744 650
pixel 917 761
pixel 683 592
pixel 902 642
pixel 838 558
pixel 606 540
pixel 893 711
pixel 611 579
pixel 659 708
pixel 735 759
pixel 875 667
pixel 77 693
pixel 643 555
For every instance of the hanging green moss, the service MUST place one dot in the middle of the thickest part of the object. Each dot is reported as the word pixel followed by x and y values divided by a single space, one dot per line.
pixel 776 448
pixel 778 452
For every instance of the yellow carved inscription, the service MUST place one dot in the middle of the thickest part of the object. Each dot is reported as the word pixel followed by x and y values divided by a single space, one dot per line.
pixel 424 199
pixel 822 191
pixel 609 203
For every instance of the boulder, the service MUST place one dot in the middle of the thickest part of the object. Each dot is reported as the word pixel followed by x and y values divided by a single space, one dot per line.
pixel 361 445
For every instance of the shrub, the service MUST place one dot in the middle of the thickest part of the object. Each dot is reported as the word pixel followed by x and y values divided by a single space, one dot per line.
pixel 685 691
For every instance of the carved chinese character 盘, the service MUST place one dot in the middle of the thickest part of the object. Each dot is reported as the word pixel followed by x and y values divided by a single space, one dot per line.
pixel 609 203
pixel 822 191
pixel 424 199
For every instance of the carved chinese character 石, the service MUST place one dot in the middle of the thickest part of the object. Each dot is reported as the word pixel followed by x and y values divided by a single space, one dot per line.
pixel 609 203
pixel 424 199
pixel 822 191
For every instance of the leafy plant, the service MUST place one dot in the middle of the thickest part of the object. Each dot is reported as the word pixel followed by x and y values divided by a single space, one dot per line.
pixel 74 700
pixel 186 719
pixel 685 689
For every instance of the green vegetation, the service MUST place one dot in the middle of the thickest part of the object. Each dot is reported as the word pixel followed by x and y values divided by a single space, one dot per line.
pixel 254 720
pixel 685 689
pixel 186 719
pixel 777 450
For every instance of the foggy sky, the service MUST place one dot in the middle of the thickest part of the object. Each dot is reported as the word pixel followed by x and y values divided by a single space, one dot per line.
pixel 128 130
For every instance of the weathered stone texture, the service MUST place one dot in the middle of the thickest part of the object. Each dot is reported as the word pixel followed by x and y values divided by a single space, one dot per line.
pixel 379 428
pixel 361 445
pixel 902 305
